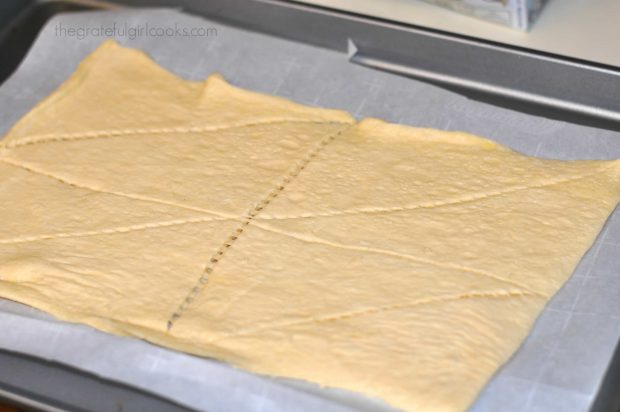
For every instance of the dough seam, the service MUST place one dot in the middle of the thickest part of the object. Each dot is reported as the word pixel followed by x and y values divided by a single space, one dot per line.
pixel 464 199
pixel 378 309
pixel 387 252
pixel 293 172
pixel 429 205
pixel 74 183
pixel 111 230
pixel 102 134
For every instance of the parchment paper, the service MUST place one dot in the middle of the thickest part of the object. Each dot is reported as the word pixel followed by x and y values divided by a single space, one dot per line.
pixel 560 365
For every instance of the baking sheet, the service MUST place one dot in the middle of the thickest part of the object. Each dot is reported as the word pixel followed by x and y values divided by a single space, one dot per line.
pixel 560 365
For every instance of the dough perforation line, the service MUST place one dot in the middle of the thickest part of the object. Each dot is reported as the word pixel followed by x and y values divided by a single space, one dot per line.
pixel 73 182
pixel 112 230
pixel 102 134
pixel 473 197
pixel 368 311
pixel 252 213
pixel 387 252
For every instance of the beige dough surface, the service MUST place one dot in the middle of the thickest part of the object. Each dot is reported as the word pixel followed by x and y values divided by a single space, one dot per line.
pixel 401 263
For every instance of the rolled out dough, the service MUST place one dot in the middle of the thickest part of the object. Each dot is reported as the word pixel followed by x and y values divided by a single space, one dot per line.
pixel 405 264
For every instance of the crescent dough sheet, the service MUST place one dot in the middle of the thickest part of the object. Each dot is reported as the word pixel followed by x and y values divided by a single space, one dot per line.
pixel 401 263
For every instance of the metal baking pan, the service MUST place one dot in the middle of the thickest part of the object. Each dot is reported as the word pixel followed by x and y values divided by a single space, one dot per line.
pixel 37 385
pixel 556 87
